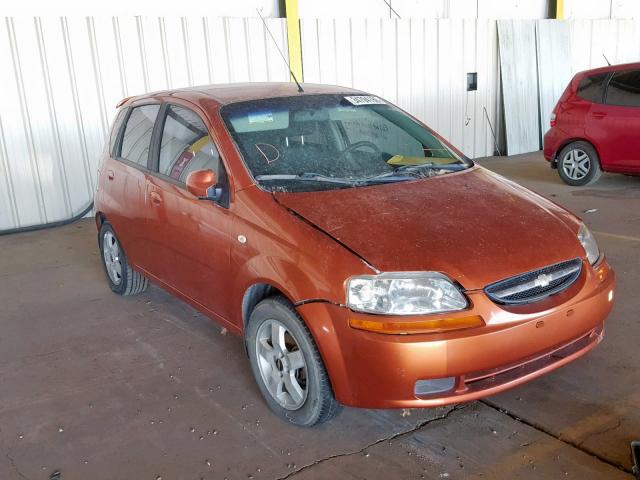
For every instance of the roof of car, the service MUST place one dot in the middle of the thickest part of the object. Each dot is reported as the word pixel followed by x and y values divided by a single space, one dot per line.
pixel 238 92
pixel 612 68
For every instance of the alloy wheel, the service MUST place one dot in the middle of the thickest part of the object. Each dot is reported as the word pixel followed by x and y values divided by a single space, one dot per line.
pixel 281 364
pixel 112 258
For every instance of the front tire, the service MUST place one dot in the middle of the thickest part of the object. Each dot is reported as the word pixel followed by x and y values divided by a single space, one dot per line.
pixel 578 164
pixel 122 279
pixel 287 365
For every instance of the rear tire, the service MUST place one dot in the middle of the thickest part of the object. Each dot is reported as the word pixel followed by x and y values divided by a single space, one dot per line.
pixel 122 279
pixel 578 164
pixel 287 365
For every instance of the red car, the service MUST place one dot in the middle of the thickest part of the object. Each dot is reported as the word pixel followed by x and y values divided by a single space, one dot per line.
pixel 362 259
pixel 595 126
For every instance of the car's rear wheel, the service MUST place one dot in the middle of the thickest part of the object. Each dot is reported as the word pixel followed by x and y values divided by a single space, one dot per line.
pixel 287 365
pixel 123 280
pixel 578 164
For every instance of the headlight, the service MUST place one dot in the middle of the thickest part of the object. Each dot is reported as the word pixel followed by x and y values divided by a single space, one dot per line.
pixel 589 244
pixel 410 293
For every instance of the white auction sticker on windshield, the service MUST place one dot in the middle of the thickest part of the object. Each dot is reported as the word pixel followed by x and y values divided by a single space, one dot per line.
pixel 260 117
pixel 364 100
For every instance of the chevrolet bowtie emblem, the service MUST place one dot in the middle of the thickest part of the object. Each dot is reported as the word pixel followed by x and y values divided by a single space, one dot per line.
pixel 542 280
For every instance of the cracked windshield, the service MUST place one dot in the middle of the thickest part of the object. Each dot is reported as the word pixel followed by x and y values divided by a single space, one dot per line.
pixel 319 142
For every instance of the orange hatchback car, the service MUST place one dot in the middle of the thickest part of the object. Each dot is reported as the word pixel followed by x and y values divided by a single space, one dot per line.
pixel 362 258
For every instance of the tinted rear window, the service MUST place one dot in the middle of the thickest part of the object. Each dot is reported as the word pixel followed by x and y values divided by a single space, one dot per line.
pixel 591 87
pixel 137 134
pixel 624 89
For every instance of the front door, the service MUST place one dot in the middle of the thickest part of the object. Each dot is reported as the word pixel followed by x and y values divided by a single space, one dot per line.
pixel 190 236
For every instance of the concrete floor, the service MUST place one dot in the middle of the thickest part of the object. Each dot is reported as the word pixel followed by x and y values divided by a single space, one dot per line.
pixel 103 387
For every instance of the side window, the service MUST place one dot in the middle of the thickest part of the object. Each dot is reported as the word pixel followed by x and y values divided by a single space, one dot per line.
pixel 186 146
pixel 137 134
pixel 624 89
pixel 115 130
pixel 591 88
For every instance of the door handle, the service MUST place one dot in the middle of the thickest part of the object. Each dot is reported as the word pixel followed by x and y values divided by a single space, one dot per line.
pixel 110 174
pixel 598 114
pixel 156 199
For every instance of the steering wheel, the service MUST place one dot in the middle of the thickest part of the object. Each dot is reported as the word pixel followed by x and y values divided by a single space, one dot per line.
pixel 363 144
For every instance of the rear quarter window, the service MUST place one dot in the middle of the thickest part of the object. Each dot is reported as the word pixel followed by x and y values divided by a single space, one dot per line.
pixel 115 129
pixel 591 87
pixel 624 89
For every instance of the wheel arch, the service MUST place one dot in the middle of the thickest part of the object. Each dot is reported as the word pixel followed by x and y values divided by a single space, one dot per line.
pixel 100 218
pixel 262 276
pixel 254 294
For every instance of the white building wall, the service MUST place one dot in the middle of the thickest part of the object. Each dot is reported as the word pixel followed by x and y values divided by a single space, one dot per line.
pixel 625 9
pixel 121 8
pixel 486 9
pixel 592 9
pixel 419 64
pixel 62 78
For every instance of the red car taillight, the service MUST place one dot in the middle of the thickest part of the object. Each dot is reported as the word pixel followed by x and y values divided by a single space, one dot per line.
pixel 552 121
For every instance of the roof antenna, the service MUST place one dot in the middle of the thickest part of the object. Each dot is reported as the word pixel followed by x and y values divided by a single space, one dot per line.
pixel 300 90
pixel 606 59
pixel 391 9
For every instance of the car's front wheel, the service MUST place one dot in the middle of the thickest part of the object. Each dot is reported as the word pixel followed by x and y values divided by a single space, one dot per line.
pixel 578 164
pixel 123 280
pixel 287 365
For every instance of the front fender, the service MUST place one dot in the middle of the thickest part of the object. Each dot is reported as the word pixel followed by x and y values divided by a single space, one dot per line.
pixel 329 328
pixel 278 249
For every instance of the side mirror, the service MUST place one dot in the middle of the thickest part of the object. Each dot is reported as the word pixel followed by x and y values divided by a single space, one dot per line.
pixel 202 184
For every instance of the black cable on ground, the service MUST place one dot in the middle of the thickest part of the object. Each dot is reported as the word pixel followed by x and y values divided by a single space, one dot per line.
pixel 59 223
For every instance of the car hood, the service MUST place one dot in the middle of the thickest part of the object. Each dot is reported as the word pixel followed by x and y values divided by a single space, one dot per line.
pixel 474 226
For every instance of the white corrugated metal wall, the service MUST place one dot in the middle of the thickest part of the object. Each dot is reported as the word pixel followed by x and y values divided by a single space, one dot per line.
pixel 62 78
pixel 519 84
pixel 419 64
pixel 424 8
pixel 544 67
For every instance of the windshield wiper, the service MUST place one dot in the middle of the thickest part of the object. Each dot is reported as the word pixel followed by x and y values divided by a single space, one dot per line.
pixel 387 177
pixel 308 177
pixel 399 174
pixel 453 167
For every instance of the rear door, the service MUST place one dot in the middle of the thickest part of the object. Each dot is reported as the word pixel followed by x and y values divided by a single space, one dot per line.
pixel 126 179
pixel 190 236
pixel 614 125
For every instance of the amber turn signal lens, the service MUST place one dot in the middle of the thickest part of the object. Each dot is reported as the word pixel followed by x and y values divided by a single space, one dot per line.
pixel 392 327
pixel 601 272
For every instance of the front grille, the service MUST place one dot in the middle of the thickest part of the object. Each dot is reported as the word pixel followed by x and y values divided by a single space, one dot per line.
pixel 535 285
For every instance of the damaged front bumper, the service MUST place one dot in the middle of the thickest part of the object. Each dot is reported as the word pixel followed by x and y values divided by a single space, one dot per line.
pixel 514 346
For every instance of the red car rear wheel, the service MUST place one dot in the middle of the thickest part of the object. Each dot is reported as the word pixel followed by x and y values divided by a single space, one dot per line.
pixel 578 164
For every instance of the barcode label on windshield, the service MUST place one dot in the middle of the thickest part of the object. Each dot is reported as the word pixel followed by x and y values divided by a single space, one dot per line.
pixel 364 100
